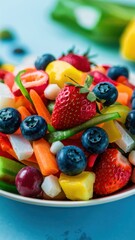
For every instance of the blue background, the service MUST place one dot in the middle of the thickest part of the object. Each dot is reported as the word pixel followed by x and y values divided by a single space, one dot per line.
pixel 113 221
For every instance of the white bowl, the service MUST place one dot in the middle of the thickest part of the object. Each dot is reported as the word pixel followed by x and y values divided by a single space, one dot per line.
pixel 127 192
pixel 55 203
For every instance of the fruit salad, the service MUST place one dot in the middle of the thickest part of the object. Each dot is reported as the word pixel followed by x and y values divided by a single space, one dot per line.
pixel 67 128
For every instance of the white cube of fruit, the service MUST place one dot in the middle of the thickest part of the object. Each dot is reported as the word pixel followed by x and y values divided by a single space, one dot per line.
pixel 52 91
pixel 56 147
pixel 51 186
pixel 126 142
pixel 21 146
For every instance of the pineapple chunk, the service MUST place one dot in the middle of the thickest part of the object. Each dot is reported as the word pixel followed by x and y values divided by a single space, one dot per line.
pixel 78 187
pixel 112 131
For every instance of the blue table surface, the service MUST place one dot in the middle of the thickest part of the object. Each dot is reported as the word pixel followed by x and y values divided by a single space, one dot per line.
pixel 113 221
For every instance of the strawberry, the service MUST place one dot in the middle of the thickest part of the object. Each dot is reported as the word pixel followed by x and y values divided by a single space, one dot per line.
pixel 113 172
pixel 80 62
pixel 73 106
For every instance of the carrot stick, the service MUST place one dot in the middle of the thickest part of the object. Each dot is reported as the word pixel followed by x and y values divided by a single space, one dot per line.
pixel 22 101
pixel 40 106
pixel 46 160
pixel 24 112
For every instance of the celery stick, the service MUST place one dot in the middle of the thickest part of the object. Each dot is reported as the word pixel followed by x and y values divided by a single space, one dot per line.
pixel 61 135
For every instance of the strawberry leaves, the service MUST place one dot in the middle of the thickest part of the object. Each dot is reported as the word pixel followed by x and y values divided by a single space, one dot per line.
pixel 84 89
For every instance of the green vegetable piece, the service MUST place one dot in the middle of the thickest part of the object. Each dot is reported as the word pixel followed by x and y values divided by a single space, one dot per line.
pixel 61 135
pixel 8 187
pixel 50 106
pixel 9 169
pixel 21 87
pixel 50 128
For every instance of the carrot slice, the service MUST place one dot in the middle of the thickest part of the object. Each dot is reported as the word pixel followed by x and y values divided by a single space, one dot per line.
pixel 40 106
pixel 45 159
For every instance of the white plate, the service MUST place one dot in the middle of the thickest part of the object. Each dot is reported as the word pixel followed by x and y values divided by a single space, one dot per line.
pixel 55 203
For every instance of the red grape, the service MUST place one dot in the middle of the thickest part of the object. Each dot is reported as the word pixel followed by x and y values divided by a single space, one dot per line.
pixel 28 181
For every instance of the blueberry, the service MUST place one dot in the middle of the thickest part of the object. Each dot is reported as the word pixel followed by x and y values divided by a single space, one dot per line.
pixel 33 127
pixel 10 120
pixel 71 160
pixel 42 62
pixel 117 71
pixel 133 104
pixel 130 122
pixel 19 51
pixel 106 93
pixel 95 140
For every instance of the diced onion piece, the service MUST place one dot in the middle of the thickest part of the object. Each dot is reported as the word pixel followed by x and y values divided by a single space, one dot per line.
pixel 56 147
pixel 51 186
pixel 126 142
pixel 21 146
pixel 52 91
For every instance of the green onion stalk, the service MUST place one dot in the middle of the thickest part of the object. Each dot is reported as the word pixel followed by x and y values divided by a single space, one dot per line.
pixel 64 134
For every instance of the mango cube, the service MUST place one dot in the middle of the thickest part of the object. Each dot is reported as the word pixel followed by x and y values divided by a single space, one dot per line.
pixel 78 187
pixel 112 131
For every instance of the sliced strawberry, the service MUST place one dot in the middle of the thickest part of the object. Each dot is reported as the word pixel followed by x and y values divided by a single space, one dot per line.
pixel 113 172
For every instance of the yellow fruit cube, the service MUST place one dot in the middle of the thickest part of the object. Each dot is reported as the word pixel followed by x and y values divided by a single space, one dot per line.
pixel 112 131
pixel 121 109
pixel 78 187
pixel 61 72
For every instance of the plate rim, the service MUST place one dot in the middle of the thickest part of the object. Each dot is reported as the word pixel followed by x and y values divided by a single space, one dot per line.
pixel 67 203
